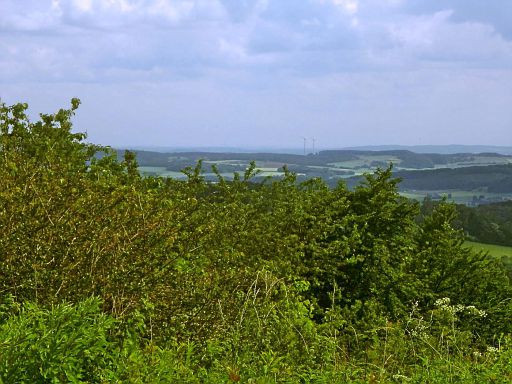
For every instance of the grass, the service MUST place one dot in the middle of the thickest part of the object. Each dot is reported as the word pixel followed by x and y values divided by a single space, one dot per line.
pixel 492 249
pixel 500 252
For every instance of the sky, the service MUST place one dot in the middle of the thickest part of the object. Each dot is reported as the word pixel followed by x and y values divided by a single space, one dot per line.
pixel 265 73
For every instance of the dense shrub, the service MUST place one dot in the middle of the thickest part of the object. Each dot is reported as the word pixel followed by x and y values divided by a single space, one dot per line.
pixel 277 280
pixel 64 344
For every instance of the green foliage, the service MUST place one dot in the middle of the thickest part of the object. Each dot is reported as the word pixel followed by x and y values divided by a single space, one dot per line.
pixel 59 344
pixel 275 281
pixel 491 223
pixel 494 178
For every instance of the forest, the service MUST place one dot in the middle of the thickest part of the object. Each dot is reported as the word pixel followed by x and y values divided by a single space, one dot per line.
pixel 495 178
pixel 108 275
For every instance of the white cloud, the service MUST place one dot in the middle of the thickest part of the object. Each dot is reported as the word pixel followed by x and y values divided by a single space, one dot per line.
pixel 327 63
pixel 349 6
pixel 437 38
pixel 419 31
pixel 83 5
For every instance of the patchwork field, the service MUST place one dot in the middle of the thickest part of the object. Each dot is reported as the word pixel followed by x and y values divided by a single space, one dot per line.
pixel 475 197
pixel 464 178
pixel 369 162
pixel 160 171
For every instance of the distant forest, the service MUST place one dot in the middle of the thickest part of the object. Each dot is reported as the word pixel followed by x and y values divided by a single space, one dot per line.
pixel 408 159
pixel 491 223
pixel 496 178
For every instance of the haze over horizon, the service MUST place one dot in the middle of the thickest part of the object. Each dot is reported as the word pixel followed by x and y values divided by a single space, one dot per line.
pixel 265 73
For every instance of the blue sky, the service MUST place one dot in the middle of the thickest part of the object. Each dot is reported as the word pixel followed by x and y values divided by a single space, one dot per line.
pixel 265 73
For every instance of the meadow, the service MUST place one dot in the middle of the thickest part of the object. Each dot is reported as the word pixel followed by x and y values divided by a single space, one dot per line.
pixel 492 249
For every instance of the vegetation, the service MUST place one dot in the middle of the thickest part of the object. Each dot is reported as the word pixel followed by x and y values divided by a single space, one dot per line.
pixel 494 250
pixel 497 251
pixel 494 178
pixel 488 223
pixel 108 276
pixel 491 223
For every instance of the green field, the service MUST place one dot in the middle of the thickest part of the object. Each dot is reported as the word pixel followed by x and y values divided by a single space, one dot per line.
pixel 494 250
pixel 160 171
pixel 365 161
pixel 456 196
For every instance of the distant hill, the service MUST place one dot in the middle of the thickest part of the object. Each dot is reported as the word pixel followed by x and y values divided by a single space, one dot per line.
pixel 345 159
pixel 441 149
pixel 495 178
pixel 491 172
pixel 285 150
pixel 438 149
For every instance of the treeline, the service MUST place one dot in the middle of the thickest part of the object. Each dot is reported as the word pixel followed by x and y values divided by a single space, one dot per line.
pixel 492 178
pixel 490 223
pixel 108 276
pixel 407 158
pixel 496 178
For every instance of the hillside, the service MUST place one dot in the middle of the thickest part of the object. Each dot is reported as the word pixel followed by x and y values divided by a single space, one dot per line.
pixel 444 149
pixel 332 159
pixel 495 178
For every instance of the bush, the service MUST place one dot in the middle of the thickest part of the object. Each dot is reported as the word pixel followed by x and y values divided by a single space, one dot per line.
pixel 61 344
pixel 193 281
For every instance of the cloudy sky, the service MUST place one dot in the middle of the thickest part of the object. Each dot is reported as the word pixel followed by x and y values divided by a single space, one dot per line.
pixel 265 73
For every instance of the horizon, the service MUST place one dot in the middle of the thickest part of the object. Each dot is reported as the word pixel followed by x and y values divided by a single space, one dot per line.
pixel 265 73
pixel 424 149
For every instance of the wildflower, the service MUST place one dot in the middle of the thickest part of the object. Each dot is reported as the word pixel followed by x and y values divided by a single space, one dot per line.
pixel 445 301
pixel 492 350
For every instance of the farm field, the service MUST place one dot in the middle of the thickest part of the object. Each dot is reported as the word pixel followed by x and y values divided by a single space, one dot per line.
pixel 163 172
pixel 494 250
pixel 160 171
pixel 458 196
pixel 366 163
pixel 369 162
pixel 500 252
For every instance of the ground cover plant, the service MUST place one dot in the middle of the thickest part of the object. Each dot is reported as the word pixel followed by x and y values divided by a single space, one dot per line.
pixel 109 276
